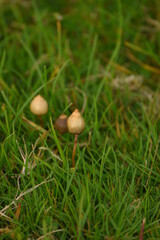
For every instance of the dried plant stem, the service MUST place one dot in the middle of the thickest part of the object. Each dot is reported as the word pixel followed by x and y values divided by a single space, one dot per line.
pixel 74 150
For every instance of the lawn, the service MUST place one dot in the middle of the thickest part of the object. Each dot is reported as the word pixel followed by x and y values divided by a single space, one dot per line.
pixel 101 57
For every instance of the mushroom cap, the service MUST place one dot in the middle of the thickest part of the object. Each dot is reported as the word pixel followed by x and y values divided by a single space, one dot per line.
pixel 39 105
pixel 75 123
pixel 61 124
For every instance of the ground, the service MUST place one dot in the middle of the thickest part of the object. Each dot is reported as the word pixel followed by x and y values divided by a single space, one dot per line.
pixel 101 57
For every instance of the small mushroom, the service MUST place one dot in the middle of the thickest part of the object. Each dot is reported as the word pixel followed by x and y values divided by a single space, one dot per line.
pixel 61 124
pixel 39 106
pixel 76 125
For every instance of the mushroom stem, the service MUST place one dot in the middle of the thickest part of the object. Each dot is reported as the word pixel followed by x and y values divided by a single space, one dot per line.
pixel 74 150
pixel 40 120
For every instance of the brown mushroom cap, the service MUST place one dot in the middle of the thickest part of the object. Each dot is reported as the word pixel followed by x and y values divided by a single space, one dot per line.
pixel 61 124
pixel 39 105
pixel 75 123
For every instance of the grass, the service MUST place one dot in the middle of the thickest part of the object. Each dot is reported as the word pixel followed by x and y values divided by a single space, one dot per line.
pixel 85 61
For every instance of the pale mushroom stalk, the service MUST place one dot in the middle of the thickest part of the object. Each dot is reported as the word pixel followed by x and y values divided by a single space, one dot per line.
pixel 74 150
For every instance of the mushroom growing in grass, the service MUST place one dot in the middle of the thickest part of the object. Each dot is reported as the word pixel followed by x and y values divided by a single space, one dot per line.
pixel 61 124
pixel 76 126
pixel 39 107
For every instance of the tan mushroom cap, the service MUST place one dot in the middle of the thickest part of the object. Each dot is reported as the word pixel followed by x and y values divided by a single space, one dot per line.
pixel 39 105
pixel 75 123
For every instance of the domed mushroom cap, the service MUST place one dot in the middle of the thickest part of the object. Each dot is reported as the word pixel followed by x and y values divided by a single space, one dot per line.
pixel 75 123
pixel 61 124
pixel 39 105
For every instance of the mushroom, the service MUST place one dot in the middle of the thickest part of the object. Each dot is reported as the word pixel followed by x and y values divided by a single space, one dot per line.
pixel 76 125
pixel 39 106
pixel 61 124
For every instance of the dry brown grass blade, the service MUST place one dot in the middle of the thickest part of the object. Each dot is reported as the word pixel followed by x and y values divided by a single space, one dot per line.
pixel 119 67
pixel 122 69
pixel 35 126
pixel 17 213
pixel 143 65
pixel 153 22
pixel 134 47
pixel 118 128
